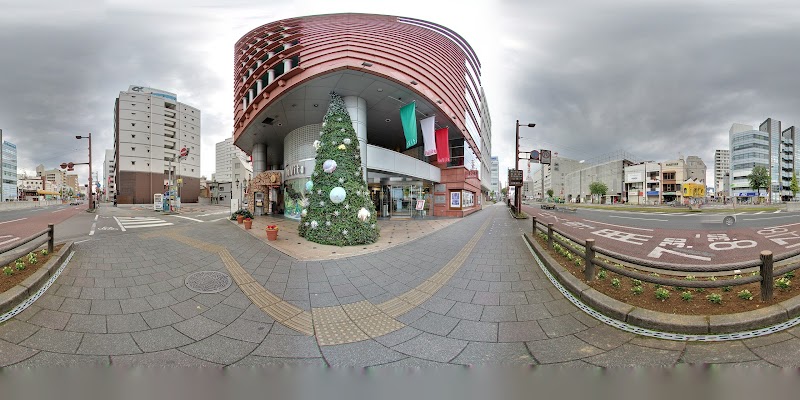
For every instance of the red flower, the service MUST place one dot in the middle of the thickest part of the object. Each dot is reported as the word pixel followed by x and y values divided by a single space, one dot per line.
pixel 271 227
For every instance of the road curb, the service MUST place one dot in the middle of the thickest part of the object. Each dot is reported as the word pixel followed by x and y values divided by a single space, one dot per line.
pixel 19 293
pixel 673 323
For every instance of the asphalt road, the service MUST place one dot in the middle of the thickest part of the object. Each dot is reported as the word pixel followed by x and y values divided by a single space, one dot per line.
pixel 76 224
pixel 682 238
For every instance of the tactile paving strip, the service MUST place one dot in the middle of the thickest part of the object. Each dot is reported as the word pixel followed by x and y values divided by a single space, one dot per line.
pixel 656 334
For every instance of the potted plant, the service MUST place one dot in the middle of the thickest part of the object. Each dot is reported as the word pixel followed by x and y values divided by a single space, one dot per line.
pixel 239 218
pixel 272 232
pixel 248 223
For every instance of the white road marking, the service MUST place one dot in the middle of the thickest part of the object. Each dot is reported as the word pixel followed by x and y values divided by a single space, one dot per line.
pixel 120 224
pixel 192 219
pixel 784 226
pixel 643 219
pixel 777 212
pixel 13 220
pixel 95 217
pixel 150 226
pixel 218 219
pixel 59 210
pixel 759 219
pixel 618 226
pixel 13 239
pixel 760 212
pixel 94 225
pixel 214 213
pixel 84 240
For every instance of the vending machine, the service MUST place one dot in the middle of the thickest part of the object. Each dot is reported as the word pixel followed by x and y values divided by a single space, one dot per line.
pixel 259 206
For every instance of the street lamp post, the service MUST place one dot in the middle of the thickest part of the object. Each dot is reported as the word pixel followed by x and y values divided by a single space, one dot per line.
pixel 517 197
pixel 69 166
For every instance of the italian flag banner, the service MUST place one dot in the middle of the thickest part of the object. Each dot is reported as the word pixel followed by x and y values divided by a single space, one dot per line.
pixel 443 145
pixel 428 137
pixel 409 121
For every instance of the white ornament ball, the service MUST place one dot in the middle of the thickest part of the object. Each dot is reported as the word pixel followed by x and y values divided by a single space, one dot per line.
pixel 319 191
pixel 327 223
pixel 338 194
pixel 309 186
pixel 304 212
pixel 363 214
pixel 329 166
pixel 344 232
pixel 347 141
pixel 317 144
pixel 314 224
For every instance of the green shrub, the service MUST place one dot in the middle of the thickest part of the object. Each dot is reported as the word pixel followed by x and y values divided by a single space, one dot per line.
pixel 687 296
pixel 602 274
pixel 783 283
pixel 690 277
pixel 31 258
pixel 636 282
pixel 44 252
pixel 714 298
pixel 615 282
pixel 19 265
pixel 637 290
pixel 726 288
pixel 745 295
pixel 662 293
pixel 8 271
pixel 789 275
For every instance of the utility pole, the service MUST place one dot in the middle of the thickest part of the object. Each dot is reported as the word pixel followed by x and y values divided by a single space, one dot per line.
pixel 517 197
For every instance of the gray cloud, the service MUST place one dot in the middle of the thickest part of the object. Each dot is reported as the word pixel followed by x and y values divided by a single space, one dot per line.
pixel 653 78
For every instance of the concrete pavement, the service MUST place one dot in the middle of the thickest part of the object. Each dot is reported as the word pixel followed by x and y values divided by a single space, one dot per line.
pixel 467 294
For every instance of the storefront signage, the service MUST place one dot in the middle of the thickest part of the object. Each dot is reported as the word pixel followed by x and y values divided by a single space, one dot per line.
pixel 440 188
pixel 295 169
pixel 472 173
pixel 652 192
pixel 515 177
pixel 455 199
pixel 671 164
pixel 468 199
pixel 634 177
pixel 420 205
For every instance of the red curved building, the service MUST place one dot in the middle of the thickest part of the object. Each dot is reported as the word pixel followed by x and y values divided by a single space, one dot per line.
pixel 285 70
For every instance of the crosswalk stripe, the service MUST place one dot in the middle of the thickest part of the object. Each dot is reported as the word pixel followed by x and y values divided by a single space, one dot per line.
pixel 149 226
pixel 9 240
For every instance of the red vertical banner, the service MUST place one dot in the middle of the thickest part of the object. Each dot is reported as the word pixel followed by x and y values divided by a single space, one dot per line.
pixel 443 145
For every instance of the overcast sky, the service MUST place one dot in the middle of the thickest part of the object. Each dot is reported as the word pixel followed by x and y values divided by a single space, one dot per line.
pixel 654 78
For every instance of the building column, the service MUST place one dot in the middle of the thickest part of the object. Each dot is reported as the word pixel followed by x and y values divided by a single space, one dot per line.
pixel 259 86
pixel 287 65
pixel 357 108
pixel 270 76
pixel 259 158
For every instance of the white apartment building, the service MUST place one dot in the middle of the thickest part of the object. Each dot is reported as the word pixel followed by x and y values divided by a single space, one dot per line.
pixel 109 176
pixel 8 170
pixel 612 173
pixel 495 176
pixel 224 165
pixel 150 129
pixel 642 183
pixel 722 167
pixel 554 178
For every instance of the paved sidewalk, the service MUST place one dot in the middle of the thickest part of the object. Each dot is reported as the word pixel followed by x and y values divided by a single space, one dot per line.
pixel 123 300
pixel 393 233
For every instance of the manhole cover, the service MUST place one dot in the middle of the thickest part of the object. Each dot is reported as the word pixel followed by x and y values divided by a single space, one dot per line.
pixel 208 281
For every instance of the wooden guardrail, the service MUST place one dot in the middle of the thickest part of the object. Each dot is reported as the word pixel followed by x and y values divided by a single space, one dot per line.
pixel 13 251
pixel 590 252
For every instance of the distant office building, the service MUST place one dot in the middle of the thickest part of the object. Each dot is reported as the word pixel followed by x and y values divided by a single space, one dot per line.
pixel 642 183
pixel 495 175
pixel 695 169
pixel 150 129
pixel 554 178
pixel 612 173
pixel 109 178
pixel 72 182
pixel 722 167
pixel 224 165
pixel 769 146
pixel 8 170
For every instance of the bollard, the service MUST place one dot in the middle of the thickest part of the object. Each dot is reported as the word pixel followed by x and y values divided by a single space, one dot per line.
pixel 533 230
pixel 588 271
pixel 766 275
pixel 51 237
pixel 550 235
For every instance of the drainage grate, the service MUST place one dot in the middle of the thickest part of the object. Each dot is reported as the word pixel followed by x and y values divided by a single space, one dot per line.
pixel 208 281
pixel 656 334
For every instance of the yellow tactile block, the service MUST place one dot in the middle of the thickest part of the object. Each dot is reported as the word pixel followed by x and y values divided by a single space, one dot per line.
pixel 361 309
pixel 264 299
pixel 378 325
pixel 251 288
pixel 301 323
pixel 338 333
pixel 329 315
pixel 281 311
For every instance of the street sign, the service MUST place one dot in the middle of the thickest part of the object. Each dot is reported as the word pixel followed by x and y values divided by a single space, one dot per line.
pixel 534 156
pixel 545 157
pixel 515 177
pixel 184 152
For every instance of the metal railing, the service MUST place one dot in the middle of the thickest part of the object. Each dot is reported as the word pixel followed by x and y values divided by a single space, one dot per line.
pixel 589 254
pixel 13 251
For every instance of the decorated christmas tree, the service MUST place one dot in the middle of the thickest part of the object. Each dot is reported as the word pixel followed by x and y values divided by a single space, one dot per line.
pixel 339 210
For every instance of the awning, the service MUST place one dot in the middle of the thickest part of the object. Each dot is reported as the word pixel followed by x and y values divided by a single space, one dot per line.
pixel 50 192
